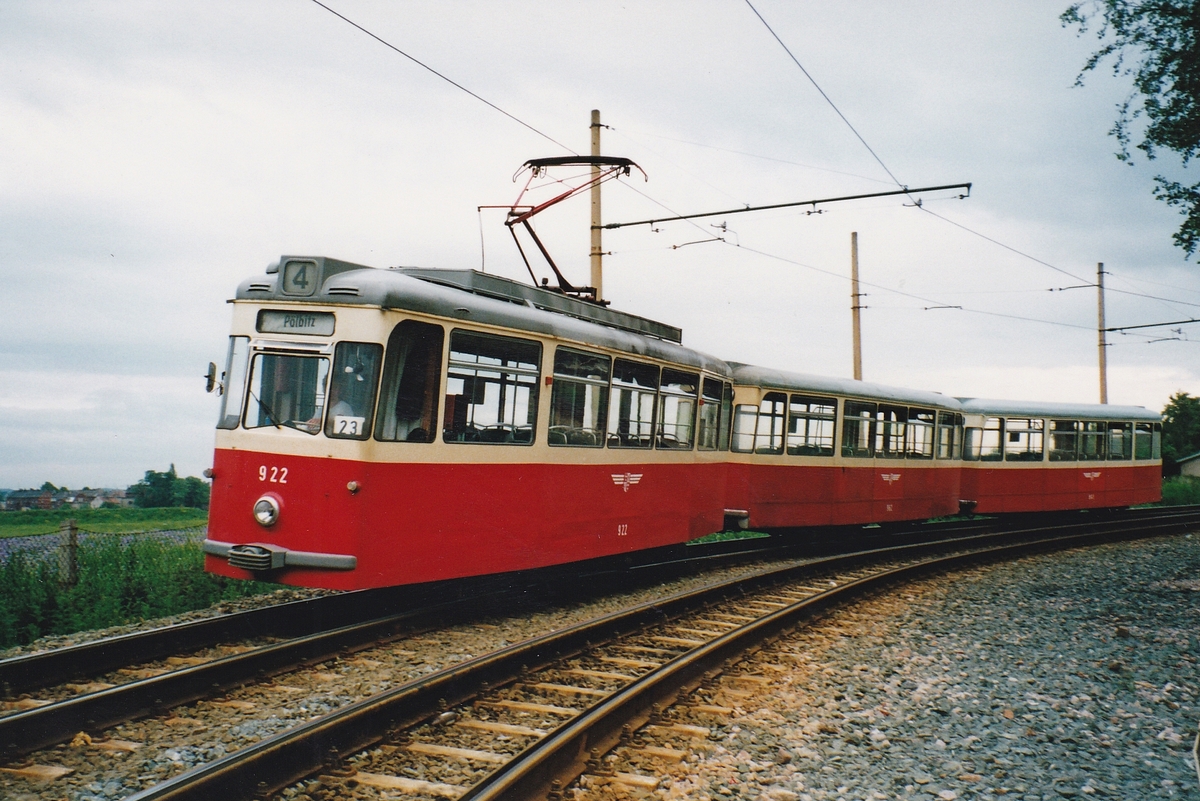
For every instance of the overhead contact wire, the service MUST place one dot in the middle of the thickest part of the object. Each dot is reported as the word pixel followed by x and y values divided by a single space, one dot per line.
pixel 918 297
pixel 450 81
pixel 832 105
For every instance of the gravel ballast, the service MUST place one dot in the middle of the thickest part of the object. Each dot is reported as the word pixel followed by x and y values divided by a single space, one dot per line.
pixel 1059 676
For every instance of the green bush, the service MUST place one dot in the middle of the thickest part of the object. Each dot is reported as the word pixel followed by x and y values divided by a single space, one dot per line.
pixel 1181 490
pixel 120 580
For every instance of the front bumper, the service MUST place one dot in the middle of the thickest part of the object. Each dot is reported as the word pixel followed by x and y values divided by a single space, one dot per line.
pixel 260 557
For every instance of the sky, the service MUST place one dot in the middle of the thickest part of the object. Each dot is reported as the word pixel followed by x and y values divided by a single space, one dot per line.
pixel 153 155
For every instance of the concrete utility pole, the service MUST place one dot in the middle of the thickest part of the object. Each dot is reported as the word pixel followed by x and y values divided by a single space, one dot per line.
pixel 597 252
pixel 1102 334
pixel 855 307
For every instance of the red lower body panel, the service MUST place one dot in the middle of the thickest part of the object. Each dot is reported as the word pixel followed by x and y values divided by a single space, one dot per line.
pixel 791 496
pixel 1100 485
pixel 411 523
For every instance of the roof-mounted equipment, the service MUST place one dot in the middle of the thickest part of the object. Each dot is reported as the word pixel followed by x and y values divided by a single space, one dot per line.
pixel 520 213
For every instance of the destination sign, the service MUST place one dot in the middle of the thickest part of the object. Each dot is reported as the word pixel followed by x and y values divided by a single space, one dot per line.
pixel 274 321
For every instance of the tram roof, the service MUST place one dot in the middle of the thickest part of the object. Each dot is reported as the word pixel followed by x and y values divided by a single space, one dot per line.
pixel 473 297
pixel 768 378
pixel 1070 411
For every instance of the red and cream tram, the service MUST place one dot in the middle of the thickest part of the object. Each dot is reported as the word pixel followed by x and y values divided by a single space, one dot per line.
pixel 1023 456
pixel 383 427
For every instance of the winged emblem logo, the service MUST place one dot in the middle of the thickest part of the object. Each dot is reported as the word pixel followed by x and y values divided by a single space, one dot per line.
pixel 890 478
pixel 626 480
pixel 1091 476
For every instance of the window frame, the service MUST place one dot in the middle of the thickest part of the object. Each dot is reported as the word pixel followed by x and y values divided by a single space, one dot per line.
pixel 312 425
pixel 920 420
pixel 1126 440
pixel 1056 432
pixel 1026 430
pixel 853 424
pixel 719 427
pixel 952 422
pixel 891 424
pixel 368 392
pixel 1096 433
pixel 602 387
pixel 666 394
pixel 503 433
pixel 614 437
pixel 428 341
pixel 809 416
pixel 239 370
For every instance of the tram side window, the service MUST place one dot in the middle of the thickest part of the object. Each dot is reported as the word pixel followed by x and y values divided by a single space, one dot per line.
pixel 677 409
pixel 1120 440
pixel 412 374
pixel 233 382
pixel 1063 437
pixel 1024 439
pixel 919 437
pixel 889 431
pixel 631 404
pixel 760 429
pixel 858 429
pixel 810 426
pixel 287 390
pixel 1143 441
pixel 712 417
pixel 1091 441
pixel 352 390
pixel 579 400
pixel 1157 448
pixel 972 443
pixel 491 389
pixel 985 444
pixel 727 416
pixel 949 435
pixel 992 443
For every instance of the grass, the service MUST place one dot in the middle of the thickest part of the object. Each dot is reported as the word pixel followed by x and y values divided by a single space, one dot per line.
pixel 727 536
pixel 1181 491
pixel 119 582
pixel 106 521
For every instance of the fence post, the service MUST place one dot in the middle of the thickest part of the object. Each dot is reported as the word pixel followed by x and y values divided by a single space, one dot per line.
pixel 68 562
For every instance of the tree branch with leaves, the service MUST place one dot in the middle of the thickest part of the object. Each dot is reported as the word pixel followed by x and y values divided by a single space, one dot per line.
pixel 1157 44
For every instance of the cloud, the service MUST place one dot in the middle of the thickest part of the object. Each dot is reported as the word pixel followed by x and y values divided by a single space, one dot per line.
pixel 154 156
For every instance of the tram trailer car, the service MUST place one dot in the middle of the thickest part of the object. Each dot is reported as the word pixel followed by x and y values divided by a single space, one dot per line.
pixel 1022 456
pixel 817 451
pixel 385 427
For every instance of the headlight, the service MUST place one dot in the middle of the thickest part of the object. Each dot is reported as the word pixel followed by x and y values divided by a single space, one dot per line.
pixel 266 511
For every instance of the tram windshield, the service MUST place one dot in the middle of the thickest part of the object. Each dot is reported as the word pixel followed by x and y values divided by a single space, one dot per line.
pixel 287 390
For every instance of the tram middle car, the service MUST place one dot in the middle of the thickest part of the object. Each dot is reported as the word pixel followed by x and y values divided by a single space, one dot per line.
pixel 385 427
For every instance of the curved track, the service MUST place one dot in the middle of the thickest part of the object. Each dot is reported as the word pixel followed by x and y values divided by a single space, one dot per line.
pixel 465 728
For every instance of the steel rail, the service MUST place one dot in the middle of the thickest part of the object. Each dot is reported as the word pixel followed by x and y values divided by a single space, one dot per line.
pixel 30 730
pixel 290 756
pixel 26 673
pixel 563 755
pixel 30 672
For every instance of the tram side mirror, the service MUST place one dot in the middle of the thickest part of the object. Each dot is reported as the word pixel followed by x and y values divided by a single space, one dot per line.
pixel 210 378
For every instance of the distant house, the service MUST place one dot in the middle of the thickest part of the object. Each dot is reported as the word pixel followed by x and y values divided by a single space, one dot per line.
pixel 1189 465
pixel 29 499
pixel 114 496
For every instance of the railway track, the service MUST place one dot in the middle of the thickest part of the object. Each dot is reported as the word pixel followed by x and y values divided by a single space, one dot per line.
pixel 54 694
pixel 517 695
